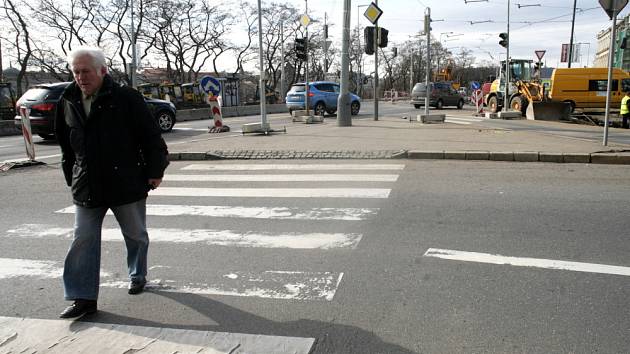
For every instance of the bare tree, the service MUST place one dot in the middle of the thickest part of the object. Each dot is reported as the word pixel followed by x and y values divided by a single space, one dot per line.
pixel 22 42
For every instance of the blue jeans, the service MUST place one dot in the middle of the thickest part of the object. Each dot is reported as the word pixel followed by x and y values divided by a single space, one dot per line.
pixel 81 272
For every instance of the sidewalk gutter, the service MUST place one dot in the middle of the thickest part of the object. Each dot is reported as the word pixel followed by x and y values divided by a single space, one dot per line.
pixel 621 157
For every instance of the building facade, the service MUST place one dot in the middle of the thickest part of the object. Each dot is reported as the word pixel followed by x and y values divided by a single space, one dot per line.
pixel 621 58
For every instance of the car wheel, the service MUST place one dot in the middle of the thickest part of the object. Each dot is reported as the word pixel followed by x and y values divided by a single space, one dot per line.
pixel 417 106
pixel 460 104
pixel 166 121
pixel 572 104
pixel 354 108
pixel 320 109
pixel 47 136
pixel 439 104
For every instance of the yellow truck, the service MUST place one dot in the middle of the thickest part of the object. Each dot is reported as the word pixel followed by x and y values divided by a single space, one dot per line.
pixel 586 87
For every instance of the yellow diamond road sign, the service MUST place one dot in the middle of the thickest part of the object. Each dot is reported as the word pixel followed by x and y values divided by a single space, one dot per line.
pixel 373 13
pixel 305 20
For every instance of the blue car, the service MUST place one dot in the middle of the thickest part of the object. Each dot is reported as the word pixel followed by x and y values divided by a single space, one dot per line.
pixel 322 98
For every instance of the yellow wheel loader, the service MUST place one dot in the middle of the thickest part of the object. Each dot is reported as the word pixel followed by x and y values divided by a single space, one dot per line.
pixel 526 94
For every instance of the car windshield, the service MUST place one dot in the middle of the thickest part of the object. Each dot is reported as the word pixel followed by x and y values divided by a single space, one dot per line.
pixel 420 87
pixel 41 93
pixel 298 88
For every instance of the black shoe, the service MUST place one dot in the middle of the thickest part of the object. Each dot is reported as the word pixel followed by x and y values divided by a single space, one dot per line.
pixel 79 308
pixel 136 287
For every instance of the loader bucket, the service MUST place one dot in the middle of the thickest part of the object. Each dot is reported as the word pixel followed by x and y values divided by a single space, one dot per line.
pixel 548 110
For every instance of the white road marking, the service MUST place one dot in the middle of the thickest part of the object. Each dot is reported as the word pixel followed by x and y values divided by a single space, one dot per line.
pixel 191 129
pixel 283 285
pixel 302 167
pixel 526 262
pixel 274 192
pixel 24 159
pixel 229 238
pixel 14 268
pixel 281 213
pixel 20 335
pixel 271 284
pixel 283 178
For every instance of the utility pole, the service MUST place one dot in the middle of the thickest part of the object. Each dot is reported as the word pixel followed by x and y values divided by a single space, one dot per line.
pixel 411 74
pixel 572 30
pixel 325 44
pixel 132 67
pixel 427 29
pixel 306 66
pixel 344 118
pixel 1 77
pixel 506 102
pixel 376 67
pixel 262 92
pixel 282 78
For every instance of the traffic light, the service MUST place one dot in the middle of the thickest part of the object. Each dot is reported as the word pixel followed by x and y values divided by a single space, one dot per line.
pixel 504 40
pixel 300 48
pixel 368 36
pixel 382 37
pixel 325 31
pixel 395 52
pixel 537 65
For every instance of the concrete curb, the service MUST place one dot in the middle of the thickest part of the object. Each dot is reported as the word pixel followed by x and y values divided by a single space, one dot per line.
pixel 500 156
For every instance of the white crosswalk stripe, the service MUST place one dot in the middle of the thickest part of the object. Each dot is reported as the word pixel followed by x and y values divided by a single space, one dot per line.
pixel 463 120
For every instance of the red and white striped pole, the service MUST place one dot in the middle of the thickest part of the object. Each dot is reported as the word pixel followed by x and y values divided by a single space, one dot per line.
pixel 27 133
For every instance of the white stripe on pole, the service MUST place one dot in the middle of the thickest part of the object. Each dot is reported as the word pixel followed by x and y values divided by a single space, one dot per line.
pixel 282 178
pixel 282 213
pixel 316 167
pixel 228 238
pixel 274 192
pixel 526 262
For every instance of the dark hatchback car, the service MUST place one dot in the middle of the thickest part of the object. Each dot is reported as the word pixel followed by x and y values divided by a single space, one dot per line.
pixel 441 94
pixel 42 100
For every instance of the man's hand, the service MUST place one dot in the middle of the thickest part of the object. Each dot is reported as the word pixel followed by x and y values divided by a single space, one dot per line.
pixel 154 182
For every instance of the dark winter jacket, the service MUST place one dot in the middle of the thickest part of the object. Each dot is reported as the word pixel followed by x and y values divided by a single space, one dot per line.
pixel 108 156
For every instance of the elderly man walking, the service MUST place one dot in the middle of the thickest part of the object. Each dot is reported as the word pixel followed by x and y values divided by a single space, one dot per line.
pixel 112 155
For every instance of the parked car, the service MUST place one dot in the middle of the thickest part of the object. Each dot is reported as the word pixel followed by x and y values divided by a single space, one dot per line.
pixel 322 98
pixel 441 94
pixel 43 99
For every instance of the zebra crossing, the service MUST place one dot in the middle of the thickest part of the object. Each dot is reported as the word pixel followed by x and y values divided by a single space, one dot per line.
pixel 257 206
pixel 198 185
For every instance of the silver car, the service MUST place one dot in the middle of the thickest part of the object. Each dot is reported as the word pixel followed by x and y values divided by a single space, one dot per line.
pixel 441 94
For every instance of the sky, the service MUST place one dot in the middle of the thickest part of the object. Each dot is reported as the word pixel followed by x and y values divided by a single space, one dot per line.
pixel 476 24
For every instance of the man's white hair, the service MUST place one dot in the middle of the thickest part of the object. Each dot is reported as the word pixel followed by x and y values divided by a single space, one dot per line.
pixel 95 53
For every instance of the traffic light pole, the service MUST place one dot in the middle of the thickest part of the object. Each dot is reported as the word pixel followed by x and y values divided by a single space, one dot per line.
pixel 506 102
pixel 376 67
pixel 427 21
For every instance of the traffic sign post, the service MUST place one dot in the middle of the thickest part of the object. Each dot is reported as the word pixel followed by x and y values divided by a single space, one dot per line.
pixel 612 8
pixel 212 88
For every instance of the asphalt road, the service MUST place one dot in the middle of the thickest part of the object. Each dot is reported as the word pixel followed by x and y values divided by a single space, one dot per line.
pixel 387 288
